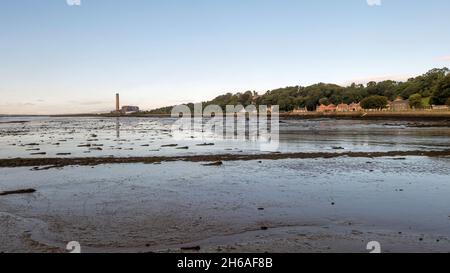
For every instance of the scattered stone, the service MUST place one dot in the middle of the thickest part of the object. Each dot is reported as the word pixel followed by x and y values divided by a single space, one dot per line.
pixel 145 145
pixel 260 208
pixel 42 153
pixel 44 168
pixel 264 228
pixel 338 148
pixel 183 148
pixel 194 248
pixel 84 145
pixel 17 192
pixel 63 153
pixel 206 144
pixel 170 145
pixel 217 163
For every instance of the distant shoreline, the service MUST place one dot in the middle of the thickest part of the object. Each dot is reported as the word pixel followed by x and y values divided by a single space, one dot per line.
pixel 427 115
pixel 378 115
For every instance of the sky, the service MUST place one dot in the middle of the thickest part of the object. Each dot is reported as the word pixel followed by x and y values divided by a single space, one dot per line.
pixel 72 56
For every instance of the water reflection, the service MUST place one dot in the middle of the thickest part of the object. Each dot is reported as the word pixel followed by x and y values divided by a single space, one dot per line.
pixel 117 127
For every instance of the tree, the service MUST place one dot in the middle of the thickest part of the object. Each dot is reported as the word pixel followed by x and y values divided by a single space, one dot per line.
pixel 415 101
pixel 374 102
pixel 442 91
pixel 433 87
pixel 324 101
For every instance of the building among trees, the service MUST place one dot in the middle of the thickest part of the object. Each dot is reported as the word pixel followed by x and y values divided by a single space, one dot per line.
pixel 399 105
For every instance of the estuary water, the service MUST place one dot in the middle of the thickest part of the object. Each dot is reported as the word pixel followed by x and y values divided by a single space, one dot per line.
pixel 290 205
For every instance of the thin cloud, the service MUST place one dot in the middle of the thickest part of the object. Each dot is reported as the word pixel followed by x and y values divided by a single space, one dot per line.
pixel 373 3
pixel 444 59
pixel 73 2
pixel 397 78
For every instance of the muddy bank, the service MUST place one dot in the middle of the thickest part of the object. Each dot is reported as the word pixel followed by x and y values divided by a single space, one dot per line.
pixel 61 162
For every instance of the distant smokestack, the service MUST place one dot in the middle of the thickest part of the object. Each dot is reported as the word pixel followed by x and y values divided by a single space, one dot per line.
pixel 117 103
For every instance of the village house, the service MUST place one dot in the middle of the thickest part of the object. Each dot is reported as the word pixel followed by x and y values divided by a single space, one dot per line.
pixel 355 107
pixel 342 107
pixel 326 108
pixel 399 105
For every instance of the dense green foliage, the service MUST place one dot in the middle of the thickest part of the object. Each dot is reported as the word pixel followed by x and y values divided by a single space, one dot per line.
pixel 441 93
pixel 374 102
pixel 435 84
pixel 415 101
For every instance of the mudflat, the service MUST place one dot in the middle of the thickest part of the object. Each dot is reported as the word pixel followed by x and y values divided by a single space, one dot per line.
pixel 332 186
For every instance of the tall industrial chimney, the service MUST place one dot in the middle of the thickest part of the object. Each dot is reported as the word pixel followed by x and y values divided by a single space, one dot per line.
pixel 117 103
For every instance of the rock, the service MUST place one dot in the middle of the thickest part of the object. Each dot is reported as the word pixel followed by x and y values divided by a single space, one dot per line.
pixel 183 148
pixel 84 145
pixel 206 144
pixel 338 148
pixel 195 248
pixel 217 163
pixel 45 168
pixel 43 153
pixel 17 192
pixel 170 145
pixel 264 228
pixel 260 208
pixel 63 153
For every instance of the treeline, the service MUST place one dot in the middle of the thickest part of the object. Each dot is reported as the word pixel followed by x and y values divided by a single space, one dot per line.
pixel 431 88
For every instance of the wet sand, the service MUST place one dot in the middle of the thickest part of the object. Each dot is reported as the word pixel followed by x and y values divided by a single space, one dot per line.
pixel 294 205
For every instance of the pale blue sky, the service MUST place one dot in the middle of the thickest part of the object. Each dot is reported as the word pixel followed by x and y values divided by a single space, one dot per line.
pixel 57 58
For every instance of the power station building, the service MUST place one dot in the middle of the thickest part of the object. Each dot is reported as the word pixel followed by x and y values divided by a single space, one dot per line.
pixel 127 109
